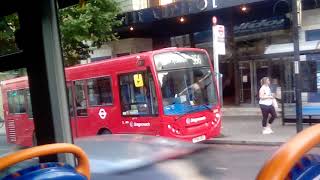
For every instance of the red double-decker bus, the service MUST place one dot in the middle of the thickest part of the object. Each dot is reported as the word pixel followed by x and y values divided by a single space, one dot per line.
pixel 169 92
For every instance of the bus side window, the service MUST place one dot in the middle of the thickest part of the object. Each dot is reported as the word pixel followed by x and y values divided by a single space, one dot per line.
pixel 16 101
pixel 81 101
pixel 100 91
pixel 138 100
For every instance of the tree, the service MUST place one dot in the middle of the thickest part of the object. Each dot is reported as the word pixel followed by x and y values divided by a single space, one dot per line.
pixel 8 26
pixel 87 25
pixel 82 27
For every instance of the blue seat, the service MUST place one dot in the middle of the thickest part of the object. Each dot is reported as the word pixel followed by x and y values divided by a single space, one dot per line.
pixel 311 110
pixel 307 168
pixel 52 171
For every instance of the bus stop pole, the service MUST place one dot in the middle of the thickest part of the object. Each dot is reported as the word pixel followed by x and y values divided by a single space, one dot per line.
pixel 216 61
pixel 295 31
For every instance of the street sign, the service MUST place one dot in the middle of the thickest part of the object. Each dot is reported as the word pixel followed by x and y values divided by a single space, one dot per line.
pixel 219 39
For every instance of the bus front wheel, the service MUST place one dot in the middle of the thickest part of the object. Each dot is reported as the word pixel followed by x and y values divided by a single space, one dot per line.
pixel 104 131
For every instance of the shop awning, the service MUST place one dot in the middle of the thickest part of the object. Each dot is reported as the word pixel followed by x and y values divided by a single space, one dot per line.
pixel 288 47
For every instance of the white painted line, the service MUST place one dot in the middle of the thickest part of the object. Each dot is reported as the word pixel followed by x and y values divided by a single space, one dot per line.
pixel 221 168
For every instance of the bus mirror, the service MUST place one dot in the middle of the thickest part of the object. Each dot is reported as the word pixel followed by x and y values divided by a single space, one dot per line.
pixel 138 80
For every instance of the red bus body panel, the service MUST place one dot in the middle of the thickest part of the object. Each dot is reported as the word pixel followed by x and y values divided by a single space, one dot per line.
pixel 205 122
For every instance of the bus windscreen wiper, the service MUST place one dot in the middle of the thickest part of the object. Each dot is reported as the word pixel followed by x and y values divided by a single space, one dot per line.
pixel 207 107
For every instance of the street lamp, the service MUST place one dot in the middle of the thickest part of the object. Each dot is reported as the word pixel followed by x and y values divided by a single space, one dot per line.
pixel 244 8
pixel 182 19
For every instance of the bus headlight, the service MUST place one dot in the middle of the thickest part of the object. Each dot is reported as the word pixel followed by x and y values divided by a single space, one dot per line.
pixel 218 115
pixel 169 126
pixel 188 120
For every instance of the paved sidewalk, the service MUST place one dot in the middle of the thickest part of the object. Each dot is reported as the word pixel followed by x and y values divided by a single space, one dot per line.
pixel 248 130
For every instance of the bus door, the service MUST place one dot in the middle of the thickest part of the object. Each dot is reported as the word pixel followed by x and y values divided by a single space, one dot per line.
pixel 70 93
pixel 82 123
pixel 139 105
pixel 19 122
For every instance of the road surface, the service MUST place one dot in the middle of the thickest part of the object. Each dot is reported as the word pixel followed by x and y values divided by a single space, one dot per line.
pixel 225 162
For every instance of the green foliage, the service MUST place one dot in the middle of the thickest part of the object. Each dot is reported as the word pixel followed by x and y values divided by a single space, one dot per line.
pixel 89 24
pixel 8 26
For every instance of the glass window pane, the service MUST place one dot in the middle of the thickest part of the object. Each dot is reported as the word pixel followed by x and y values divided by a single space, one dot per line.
pixel 99 91
pixel 81 101
pixel 137 100
pixel 16 101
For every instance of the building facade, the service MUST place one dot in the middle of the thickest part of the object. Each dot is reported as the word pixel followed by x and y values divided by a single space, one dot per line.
pixel 258 41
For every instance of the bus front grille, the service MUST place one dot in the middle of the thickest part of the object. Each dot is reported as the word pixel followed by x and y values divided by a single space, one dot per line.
pixel 11 131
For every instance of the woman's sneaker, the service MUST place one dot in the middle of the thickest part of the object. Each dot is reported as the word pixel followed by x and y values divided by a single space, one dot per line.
pixel 266 131
pixel 269 127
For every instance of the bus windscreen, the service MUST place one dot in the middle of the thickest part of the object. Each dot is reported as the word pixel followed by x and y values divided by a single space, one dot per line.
pixel 187 83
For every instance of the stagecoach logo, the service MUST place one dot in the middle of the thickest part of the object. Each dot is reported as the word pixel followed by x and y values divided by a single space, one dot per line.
pixel 102 113
pixel 195 120
pixel 134 124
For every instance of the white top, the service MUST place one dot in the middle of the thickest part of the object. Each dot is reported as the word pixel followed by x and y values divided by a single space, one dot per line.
pixel 265 90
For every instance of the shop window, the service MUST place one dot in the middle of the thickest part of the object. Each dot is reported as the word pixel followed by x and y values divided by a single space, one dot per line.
pixel 16 101
pixel 99 91
pixel 309 76
pixel 138 99
pixel 313 35
pixel 81 101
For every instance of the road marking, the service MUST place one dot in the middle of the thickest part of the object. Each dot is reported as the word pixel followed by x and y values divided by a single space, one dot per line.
pixel 221 168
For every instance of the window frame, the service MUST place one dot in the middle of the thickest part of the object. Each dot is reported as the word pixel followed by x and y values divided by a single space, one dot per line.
pixel 145 71
pixel 112 95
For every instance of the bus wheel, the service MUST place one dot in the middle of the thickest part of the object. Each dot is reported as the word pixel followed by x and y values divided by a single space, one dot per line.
pixel 104 131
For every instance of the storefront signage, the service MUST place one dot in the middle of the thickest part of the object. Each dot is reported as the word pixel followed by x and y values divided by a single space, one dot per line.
pixel 180 8
pixel 263 25
pixel 219 39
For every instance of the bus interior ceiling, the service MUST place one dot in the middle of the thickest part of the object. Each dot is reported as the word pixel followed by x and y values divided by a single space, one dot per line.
pixel 40 53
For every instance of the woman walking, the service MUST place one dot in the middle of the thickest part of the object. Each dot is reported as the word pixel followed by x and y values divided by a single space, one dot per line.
pixel 266 104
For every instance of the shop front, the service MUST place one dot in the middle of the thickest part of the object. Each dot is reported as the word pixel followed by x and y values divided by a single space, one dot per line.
pixel 253 34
